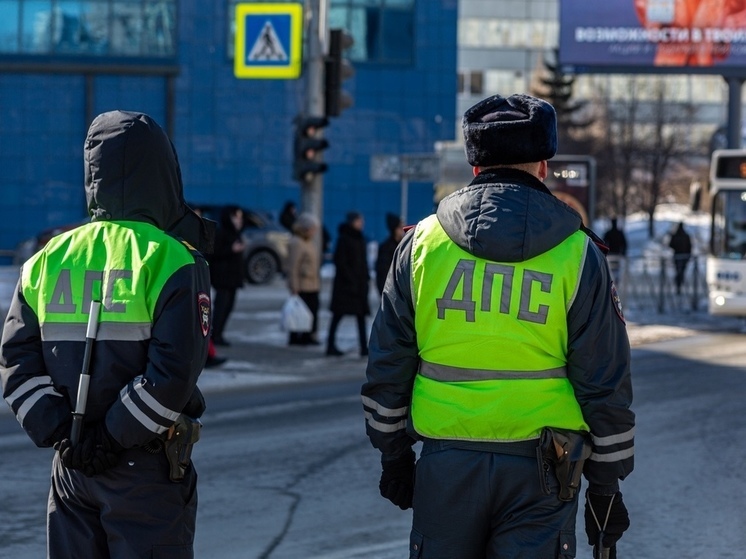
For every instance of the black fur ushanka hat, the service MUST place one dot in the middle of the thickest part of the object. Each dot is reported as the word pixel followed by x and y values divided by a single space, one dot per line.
pixel 505 131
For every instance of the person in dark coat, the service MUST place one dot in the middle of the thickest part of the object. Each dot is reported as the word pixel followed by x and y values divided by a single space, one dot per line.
pixel 681 243
pixel 386 248
pixel 226 269
pixel 498 335
pixel 113 493
pixel 288 215
pixel 615 239
pixel 351 282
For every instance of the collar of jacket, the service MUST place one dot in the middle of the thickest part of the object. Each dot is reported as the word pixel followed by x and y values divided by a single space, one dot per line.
pixel 510 175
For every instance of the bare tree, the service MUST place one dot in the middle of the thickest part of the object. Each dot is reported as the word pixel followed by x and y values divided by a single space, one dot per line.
pixel 664 142
pixel 642 137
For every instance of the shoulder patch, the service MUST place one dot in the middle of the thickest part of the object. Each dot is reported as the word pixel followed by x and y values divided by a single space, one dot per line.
pixel 617 302
pixel 203 304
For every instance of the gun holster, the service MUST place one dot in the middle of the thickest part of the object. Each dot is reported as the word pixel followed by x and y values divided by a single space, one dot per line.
pixel 180 439
pixel 566 451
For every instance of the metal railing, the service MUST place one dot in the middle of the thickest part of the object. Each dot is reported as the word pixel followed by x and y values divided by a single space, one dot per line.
pixel 650 282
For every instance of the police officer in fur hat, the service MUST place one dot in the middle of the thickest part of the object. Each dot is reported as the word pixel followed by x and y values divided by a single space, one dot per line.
pixel 500 345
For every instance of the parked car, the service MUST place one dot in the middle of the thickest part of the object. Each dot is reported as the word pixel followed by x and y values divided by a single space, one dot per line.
pixel 266 242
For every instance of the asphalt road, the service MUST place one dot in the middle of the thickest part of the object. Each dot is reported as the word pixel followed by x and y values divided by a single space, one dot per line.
pixel 286 471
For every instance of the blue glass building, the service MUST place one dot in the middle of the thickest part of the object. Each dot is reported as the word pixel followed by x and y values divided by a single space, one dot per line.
pixel 62 62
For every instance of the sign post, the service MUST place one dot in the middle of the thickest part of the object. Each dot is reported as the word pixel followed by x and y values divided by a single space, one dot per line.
pixel 419 167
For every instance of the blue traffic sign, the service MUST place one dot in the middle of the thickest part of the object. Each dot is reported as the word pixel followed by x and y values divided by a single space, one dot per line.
pixel 268 41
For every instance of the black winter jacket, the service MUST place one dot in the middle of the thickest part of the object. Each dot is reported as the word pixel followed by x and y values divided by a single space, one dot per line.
pixel 142 374
pixel 226 266
pixel 507 215
pixel 351 277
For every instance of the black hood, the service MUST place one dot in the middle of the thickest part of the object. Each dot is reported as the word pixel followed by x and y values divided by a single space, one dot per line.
pixel 132 173
pixel 506 215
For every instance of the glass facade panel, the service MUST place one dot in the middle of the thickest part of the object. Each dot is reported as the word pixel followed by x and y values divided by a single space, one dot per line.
pixel 9 12
pixel 110 28
pixel 383 30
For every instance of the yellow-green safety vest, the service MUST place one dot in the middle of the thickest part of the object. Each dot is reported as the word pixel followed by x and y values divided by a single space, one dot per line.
pixel 127 264
pixel 492 340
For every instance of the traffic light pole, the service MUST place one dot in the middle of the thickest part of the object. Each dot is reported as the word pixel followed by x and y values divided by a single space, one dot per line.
pixel 312 191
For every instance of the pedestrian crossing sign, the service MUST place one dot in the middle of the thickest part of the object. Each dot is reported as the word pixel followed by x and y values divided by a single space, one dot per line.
pixel 268 40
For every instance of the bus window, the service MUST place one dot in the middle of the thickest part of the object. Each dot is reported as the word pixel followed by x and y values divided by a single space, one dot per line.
pixel 729 224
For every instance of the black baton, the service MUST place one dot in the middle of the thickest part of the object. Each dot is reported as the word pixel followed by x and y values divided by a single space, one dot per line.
pixel 599 551
pixel 85 377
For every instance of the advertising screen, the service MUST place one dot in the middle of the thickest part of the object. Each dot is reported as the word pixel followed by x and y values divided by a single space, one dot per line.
pixel 656 36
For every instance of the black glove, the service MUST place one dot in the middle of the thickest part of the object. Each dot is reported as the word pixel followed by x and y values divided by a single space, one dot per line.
pixel 95 453
pixel 397 480
pixel 617 523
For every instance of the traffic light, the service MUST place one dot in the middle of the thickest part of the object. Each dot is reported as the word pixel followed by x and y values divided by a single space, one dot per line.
pixel 337 70
pixel 307 146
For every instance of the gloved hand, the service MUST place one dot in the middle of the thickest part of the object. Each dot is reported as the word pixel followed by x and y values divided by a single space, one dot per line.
pixel 616 525
pixel 397 480
pixel 95 453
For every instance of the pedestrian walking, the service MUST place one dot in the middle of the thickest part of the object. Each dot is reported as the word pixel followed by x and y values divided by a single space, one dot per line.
pixel 616 243
pixel 117 491
pixel 303 273
pixel 351 282
pixel 615 239
pixel 500 344
pixel 288 215
pixel 227 269
pixel 387 247
pixel 681 243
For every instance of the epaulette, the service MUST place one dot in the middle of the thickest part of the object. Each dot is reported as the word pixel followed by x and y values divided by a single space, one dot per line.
pixel 596 239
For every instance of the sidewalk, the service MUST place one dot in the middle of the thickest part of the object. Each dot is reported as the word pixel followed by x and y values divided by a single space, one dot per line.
pixel 259 353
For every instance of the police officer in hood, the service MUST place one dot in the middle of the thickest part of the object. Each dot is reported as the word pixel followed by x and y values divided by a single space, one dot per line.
pixel 115 492
pixel 500 344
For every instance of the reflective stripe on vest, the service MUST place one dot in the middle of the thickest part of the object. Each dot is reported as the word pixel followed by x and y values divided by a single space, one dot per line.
pixel 124 264
pixel 492 339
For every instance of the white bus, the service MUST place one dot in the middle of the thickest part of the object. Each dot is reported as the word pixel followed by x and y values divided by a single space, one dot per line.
pixel 726 262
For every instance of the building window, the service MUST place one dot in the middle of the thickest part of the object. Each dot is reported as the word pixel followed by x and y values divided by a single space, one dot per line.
pixel 105 28
pixel 383 30
pixel 471 82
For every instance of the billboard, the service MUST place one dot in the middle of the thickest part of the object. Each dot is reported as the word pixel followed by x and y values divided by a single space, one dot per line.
pixel 653 36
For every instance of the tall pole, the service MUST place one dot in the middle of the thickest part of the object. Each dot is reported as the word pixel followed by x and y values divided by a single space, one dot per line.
pixel 312 192
pixel 734 112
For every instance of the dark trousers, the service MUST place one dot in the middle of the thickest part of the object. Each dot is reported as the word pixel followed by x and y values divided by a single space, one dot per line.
pixel 225 299
pixel 311 299
pixel 680 263
pixel 331 341
pixel 484 505
pixel 132 510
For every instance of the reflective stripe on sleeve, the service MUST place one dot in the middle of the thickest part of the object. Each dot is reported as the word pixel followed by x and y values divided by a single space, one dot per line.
pixel 153 404
pixel 384 427
pixel 384 411
pixel 614 439
pixel 35 397
pixel 613 448
pixel 29 385
pixel 613 456
pixel 138 414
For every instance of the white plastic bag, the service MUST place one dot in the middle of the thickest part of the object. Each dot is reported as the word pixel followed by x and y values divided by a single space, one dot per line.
pixel 295 315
